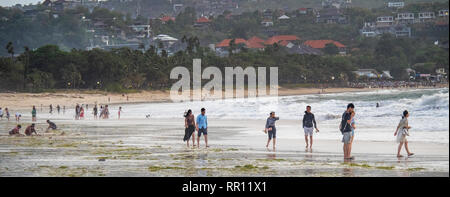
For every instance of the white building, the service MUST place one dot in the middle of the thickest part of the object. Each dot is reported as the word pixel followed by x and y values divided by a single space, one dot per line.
pixel 396 4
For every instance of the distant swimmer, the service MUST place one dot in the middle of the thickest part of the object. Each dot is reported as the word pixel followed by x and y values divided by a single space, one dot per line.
pixel 51 125
pixel 147 116
pixel 271 129
pixel 402 132
pixel 309 124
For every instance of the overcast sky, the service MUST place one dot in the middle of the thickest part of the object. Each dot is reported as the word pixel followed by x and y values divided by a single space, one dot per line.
pixel 14 2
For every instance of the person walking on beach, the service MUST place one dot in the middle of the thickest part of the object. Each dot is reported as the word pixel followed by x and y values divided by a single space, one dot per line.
pixel 51 125
pixel 30 130
pixel 202 127
pixel 95 111
pixel 271 130
pixel 101 112
pixel 308 122
pixel 64 109
pixel 58 108
pixel 51 109
pixel 345 128
pixel 106 112
pixel 77 112
pixel 16 130
pixel 118 113
pixel 1 114
pixel 81 112
pixel 189 131
pixel 33 114
pixel 402 132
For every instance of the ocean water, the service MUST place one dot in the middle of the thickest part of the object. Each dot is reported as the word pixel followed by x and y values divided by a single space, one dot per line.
pixel 429 112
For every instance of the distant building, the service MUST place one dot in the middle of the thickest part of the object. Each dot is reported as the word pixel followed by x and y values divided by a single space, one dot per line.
pixel 396 4
pixel 141 31
pixel 443 13
pixel 321 44
pixel 330 16
pixel 267 23
pixel 405 18
pixel 426 16
pixel 202 22
pixel 383 21
pixel 399 30
pixel 369 73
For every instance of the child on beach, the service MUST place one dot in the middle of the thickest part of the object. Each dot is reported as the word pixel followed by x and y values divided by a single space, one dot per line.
pixel 189 124
pixel 16 130
pixel 1 113
pixel 402 132
pixel 51 125
pixel 7 113
pixel 271 129
pixel 18 116
pixel 33 114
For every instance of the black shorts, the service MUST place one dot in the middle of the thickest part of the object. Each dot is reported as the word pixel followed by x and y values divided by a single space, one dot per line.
pixel 202 130
pixel 272 133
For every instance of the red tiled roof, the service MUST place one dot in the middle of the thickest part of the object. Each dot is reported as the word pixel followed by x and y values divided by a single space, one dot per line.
pixel 226 42
pixel 203 20
pixel 320 44
pixel 256 39
pixel 278 39
pixel 167 19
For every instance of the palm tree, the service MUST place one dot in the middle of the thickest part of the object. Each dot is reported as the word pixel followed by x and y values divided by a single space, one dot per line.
pixel 10 49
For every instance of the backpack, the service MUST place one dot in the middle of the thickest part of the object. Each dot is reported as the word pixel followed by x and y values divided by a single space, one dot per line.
pixel 344 123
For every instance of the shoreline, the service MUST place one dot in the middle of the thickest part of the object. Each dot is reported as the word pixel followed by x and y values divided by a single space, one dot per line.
pixel 23 101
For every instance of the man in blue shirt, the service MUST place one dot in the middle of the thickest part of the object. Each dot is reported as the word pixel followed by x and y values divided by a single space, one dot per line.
pixel 202 127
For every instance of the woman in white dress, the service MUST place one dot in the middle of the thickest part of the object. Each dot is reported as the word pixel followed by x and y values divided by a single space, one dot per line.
pixel 402 132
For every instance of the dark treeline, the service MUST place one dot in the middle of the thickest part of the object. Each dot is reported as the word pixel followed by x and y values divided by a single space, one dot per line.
pixel 124 69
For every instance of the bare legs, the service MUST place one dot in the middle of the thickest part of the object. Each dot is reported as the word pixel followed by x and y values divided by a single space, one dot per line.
pixel 406 148
pixel 206 141
pixel 274 143
pixel 306 141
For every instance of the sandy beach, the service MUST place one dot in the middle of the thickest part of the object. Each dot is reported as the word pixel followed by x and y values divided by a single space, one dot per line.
pixel 139 146
pixel 155 148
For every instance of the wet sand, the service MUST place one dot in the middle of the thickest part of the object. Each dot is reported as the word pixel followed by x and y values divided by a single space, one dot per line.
pixel 154 147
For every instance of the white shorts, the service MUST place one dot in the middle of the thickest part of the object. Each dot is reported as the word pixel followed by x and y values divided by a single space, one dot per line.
pixel 309 131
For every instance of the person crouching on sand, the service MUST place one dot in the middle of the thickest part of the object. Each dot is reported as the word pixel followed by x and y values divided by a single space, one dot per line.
pixel 51 125
pixel 189 124
pixel 402 132
pixel 308 122
pixel 16 130
pixel 202 127
pixel 271 129
pixel 30 130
